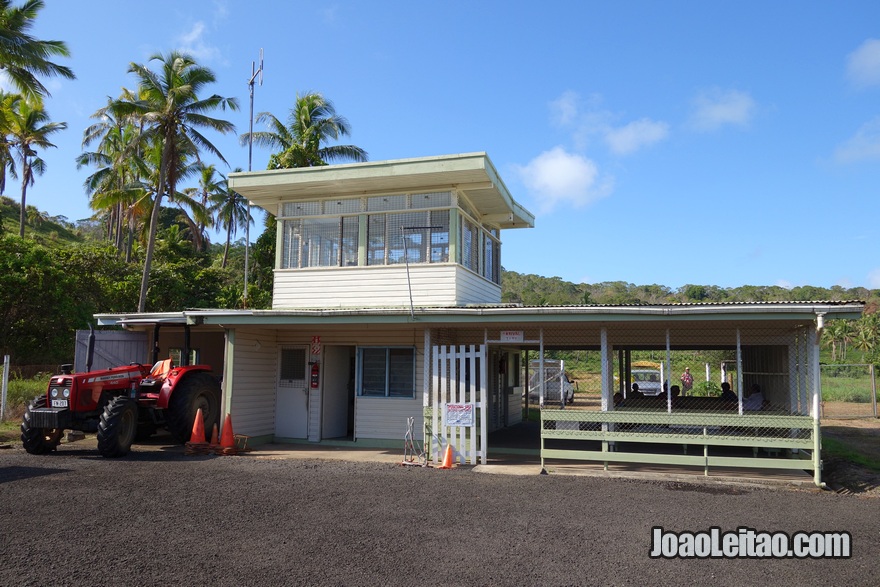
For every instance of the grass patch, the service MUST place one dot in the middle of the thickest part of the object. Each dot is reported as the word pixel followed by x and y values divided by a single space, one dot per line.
pixel 846 389
pixel 19 394
pixel 843 450
pixel 9 431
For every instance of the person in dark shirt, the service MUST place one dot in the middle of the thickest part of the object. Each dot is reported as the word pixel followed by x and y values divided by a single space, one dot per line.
pixel 727 394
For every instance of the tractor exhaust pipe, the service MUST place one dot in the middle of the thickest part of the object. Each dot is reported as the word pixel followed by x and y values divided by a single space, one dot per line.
pixel 90 353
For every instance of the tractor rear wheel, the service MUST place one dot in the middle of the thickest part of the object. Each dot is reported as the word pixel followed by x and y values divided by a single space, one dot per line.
pixel 38 441
pixel 117 427
pixel 196 390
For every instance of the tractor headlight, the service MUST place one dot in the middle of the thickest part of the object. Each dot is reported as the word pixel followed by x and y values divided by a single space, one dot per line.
pixel 65 392
pixel 54 392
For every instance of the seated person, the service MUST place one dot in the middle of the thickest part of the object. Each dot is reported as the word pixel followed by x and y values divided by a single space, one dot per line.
pixel 618 399
pixel 635 393
pixel 755 399
pixel 727 394
pixel 675 391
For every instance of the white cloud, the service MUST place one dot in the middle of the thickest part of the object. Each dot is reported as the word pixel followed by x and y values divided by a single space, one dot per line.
pixel 716 108
pixel 556 177
pixel 635 135
pixel 564 109
pixel 193 42
pixel 864 145
pixel 863 64
pixel 874 279
pixel 595 122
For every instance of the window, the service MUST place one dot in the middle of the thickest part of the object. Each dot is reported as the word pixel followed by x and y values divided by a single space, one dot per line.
pixel 470 245
pixel 292 372
pixel 387 372
pixel 414 237
pixel 320 242
pixel 400 229
pixel 176 353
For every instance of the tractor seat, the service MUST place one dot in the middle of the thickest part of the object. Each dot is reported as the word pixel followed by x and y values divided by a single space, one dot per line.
pixel 161 369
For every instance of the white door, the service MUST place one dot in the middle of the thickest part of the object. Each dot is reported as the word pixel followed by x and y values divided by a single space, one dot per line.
pixel 292 399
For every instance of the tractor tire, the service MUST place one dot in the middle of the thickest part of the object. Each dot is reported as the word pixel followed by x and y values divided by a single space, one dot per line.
pixel 117 428
pixel 38 441
pixel 196 390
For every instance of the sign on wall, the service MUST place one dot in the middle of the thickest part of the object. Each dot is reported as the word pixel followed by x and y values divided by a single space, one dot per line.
pixel 511 336
pixel 460 414
pixel 316 345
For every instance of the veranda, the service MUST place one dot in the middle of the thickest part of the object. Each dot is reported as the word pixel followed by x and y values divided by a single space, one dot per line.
pixel 695 428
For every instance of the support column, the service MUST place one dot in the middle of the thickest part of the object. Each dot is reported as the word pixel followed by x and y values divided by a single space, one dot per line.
pixel 816 370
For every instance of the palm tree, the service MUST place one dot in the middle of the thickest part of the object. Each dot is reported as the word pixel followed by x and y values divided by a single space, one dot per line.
pixel 114 186
pixel 29 130
pixel 23 56
pixel 168 102
pixel 232 212
pixel 200 199
pixel 8 105
pixel 301 143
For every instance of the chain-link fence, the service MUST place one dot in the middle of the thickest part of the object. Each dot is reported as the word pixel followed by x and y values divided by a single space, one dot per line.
pixel 849 391
pixel 645 391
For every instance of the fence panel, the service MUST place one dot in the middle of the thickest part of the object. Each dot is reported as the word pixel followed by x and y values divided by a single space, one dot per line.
pixel 849 391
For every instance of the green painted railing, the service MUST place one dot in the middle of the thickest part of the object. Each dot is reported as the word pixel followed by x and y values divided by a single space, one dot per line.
pixel 790 442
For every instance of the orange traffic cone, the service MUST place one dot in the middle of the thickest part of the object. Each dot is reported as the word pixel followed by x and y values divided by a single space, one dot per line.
pixel 214 438
pixel 447 458
pixel 227 439
pixel 198 431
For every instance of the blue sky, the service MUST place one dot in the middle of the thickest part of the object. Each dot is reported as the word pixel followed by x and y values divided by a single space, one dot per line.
pixel 716 143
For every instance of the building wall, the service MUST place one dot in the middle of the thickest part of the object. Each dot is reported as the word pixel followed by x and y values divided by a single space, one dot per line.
pixel 254 378
pixel 440 285
pixel 255 374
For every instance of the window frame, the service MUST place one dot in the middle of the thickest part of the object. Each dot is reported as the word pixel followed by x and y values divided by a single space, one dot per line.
pixel 388 391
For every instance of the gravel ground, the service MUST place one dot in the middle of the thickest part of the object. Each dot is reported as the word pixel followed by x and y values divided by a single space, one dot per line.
pixel 158 517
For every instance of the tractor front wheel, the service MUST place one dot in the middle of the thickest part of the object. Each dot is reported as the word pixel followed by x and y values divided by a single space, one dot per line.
pixel 38 441
pixel 196 390
pixel 117 428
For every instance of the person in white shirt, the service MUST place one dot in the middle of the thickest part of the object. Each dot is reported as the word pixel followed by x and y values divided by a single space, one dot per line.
pixel 755 400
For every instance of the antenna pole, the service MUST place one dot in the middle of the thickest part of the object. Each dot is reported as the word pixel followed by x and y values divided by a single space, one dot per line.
pixel 247 230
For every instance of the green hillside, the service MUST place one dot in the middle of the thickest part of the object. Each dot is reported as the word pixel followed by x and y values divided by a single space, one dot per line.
pixel 39 226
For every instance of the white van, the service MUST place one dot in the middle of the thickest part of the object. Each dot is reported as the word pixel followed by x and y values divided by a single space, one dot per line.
pixel 648 381
pixel 555 383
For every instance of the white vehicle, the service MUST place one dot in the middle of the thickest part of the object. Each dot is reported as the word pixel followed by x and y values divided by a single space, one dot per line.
pixel 648 381
pixel 555 383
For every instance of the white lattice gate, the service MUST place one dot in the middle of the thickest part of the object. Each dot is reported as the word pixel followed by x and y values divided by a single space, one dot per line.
pixel 459 398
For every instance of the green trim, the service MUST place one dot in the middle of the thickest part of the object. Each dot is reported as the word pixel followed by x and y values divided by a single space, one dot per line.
pixel 363 241
pixel 688 428
pixel 697 439
pixel 623 457
pixel 679 418
pixel 454 234
pixel 228 370
pixel 279 242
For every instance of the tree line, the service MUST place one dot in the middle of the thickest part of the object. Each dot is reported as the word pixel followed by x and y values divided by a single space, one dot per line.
pixel 155 199
pixel 154 196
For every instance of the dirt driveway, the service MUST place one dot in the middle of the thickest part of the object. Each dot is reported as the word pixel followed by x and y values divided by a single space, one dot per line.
pixel 158 517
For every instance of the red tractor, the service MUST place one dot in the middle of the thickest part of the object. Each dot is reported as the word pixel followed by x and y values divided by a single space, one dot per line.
pixel 121 404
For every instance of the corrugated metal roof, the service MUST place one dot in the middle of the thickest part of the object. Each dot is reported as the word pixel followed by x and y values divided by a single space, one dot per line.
pixel 799 310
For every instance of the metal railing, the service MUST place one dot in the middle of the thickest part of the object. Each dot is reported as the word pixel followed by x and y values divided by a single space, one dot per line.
pixel 777 441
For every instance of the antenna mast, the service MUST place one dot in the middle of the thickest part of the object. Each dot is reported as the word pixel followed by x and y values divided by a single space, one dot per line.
pixel 255 72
